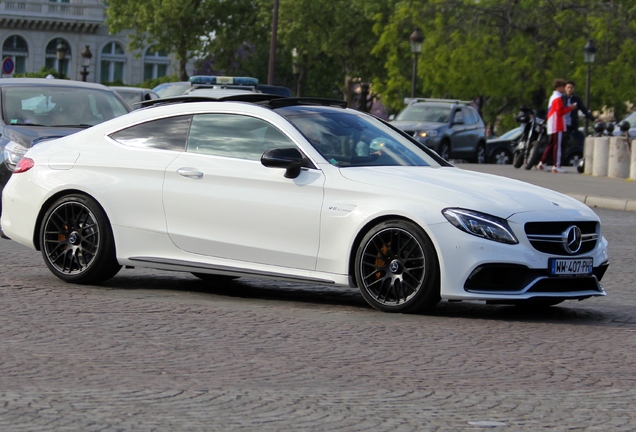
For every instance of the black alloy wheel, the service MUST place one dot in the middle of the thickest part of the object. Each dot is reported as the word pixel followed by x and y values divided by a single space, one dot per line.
pixel 397 269
pixel 77 241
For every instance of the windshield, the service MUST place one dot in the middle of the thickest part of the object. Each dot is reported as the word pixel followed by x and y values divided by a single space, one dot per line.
pixel 425 113
pixel 59 106
pixel 631 119
pixel 514 133
pixel 347 139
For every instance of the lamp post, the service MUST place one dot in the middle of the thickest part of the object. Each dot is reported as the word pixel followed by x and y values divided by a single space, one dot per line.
pixel 61 50
pixel 416 39
pixel 589 52
pixel 86 61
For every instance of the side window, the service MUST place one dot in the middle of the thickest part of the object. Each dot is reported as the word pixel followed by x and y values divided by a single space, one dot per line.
pixel 459 116
pixel 166 134
pixel 471 116
pixel 234 136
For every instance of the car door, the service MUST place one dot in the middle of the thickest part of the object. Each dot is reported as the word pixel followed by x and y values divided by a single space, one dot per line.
pixel 221 201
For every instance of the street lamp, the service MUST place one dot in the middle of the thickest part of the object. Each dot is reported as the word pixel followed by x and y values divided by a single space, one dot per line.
pixel 86 61
pixel 61 50
pixel 416 39
pixel 589 52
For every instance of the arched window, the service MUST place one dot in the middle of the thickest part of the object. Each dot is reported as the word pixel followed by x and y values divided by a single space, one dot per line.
pixel 113 63
pixel 155 64
pixel 16 47
pixel 51 56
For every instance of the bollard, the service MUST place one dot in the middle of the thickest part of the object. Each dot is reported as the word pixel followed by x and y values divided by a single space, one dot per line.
pixel 632 169
pixel 601 155
pixel 588 154
pixel 619 157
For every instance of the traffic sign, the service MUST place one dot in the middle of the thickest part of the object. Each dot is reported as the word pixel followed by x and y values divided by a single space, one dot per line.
pixel 8 65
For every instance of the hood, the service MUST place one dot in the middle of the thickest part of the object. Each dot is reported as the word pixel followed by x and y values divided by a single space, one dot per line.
pixel 455 187
pixel 31 135
pixel 410 125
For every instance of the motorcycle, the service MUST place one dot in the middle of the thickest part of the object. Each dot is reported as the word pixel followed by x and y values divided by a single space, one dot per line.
pixel 533 138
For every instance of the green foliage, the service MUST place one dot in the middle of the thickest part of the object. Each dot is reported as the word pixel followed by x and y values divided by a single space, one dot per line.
pixel 43 73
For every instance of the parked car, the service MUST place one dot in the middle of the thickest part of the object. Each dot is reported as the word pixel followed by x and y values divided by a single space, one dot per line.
pixel 172 88
pixel 134 95
pixel 297 189
pixel 450 127
pixel 499 150
pixel 37 109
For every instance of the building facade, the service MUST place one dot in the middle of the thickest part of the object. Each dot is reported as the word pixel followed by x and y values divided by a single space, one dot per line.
pixel 36 34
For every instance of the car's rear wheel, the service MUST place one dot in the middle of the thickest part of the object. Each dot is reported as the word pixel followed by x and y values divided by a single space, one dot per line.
pixel 480 154
pixel 77 242
pixel 444 150
pixel 214 278
pixel 397 269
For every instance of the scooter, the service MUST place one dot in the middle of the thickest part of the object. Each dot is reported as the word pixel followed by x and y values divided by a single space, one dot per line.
pixel 533 138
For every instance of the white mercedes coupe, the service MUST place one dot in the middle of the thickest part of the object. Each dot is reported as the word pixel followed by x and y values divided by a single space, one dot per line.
pixel 296 189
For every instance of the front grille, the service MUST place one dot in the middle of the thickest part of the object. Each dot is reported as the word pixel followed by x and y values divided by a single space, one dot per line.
pixel 552 237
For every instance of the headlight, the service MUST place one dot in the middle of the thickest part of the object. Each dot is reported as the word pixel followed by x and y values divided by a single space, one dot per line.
pixel 481 225
pixel 424 134
pixel 13 152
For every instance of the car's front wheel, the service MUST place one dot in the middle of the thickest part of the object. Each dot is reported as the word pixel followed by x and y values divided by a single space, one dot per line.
pixel 397 268
pixel 501 156
pixel 77 241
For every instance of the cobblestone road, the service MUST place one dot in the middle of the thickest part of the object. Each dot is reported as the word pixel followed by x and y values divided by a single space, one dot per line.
pixel 164 351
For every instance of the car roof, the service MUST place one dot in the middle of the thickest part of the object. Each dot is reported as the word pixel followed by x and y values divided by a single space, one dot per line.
pixel 270 100
pixel 17 82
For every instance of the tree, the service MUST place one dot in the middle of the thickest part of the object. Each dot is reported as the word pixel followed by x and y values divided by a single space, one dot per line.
pixel 178 26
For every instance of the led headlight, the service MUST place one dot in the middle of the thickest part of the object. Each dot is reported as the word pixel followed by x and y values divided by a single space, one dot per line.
pixel 481 225
pixel 424 134
pixel 13 152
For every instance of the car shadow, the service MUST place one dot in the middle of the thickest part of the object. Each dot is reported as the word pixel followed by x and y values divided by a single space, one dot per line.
pixel 568 312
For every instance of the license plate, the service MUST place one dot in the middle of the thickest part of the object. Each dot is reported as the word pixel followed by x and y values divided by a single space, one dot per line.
pixel 571 266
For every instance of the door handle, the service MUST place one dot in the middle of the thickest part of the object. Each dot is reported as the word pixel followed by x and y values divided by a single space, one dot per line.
pixel 190 173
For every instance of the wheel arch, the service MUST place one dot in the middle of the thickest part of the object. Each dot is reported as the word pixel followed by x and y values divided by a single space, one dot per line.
pixel 365 229
pixel 49 202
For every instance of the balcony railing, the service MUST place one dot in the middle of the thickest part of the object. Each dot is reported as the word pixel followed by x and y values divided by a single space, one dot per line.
pixel 45 10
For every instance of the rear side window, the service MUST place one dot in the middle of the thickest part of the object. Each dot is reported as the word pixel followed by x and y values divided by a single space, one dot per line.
pixel 165 134
pixel 234 136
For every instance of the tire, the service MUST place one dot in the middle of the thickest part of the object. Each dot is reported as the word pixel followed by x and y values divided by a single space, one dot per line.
pixel 480 154
pixel 397 269
pixel 214 278
pixel 501 156
pixel 517 159
pixel 444 150
pixel 77 242
pixel 534 156
pixel 572 158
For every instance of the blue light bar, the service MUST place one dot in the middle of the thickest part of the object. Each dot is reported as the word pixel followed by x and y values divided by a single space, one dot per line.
pixel 206 79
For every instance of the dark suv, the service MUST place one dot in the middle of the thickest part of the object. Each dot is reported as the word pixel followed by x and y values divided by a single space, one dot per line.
pixel 450 127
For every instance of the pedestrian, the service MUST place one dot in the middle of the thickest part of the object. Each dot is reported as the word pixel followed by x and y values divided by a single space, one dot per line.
pixel 556 125
pixel 572 118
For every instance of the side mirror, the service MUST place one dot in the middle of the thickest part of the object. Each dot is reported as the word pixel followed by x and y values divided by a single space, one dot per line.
pixel 392 117
pixel 289 158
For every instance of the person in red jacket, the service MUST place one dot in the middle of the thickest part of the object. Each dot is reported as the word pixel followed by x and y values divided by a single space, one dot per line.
pixel 556 126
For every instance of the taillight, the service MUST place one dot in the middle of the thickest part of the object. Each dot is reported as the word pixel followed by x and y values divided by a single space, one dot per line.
pixel 24 165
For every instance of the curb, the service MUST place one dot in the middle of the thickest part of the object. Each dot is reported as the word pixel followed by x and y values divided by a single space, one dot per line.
pixel 606 203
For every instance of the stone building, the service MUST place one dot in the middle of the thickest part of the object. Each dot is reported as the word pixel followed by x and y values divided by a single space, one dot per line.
pixel 54 33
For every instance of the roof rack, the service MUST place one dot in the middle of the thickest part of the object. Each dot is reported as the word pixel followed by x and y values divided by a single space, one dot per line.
pixel 409 101
pixel 210 79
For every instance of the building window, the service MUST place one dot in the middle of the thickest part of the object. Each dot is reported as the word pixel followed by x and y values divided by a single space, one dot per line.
pixel 51 61
pixel 16 47
pixel 113 64
pixel 155 64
